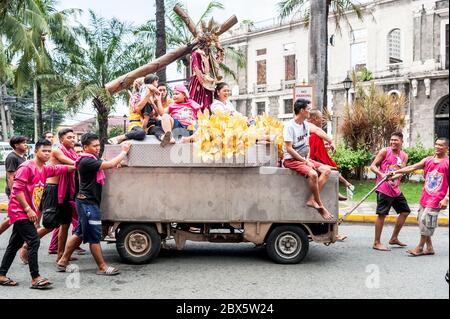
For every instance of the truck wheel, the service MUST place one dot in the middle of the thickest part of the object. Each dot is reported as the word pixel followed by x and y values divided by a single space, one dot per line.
pixel 138 243
pixel 287 245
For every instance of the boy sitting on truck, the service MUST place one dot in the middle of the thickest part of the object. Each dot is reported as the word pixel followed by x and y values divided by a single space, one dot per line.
pixel 296 137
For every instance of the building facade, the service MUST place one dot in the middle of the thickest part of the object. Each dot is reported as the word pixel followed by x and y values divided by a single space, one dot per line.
pixel 404 43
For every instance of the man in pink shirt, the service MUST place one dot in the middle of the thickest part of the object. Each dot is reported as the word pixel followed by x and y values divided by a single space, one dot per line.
pixel 23 212
pixel 389 195
pixel 434 194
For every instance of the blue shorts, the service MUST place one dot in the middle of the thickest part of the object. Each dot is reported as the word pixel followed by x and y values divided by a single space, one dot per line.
pixel 89 222
pixel 177 124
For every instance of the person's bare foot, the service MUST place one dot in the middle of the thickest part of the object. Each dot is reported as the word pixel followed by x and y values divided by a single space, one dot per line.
pixel 312 203
pixel 397 242
pixel 380 247
pixel 325 213
pixel 428 252
pixel 186 140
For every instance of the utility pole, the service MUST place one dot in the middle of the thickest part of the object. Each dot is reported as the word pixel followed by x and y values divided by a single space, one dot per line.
pixel 35 114
pixel 3 113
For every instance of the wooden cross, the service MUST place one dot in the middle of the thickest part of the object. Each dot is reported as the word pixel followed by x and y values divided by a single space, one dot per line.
pixel 127 80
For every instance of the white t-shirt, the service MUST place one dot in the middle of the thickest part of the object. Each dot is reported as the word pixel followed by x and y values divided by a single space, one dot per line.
pixel 298 134
pixel 219 106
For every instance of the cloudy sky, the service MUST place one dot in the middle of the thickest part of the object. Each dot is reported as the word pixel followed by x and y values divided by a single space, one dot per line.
pixel 139 11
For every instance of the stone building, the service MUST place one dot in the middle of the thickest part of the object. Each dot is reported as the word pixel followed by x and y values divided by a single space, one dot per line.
pixel 404 43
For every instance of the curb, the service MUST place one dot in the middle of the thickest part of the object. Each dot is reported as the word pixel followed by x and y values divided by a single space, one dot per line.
pixel 370 218
pixel 355 218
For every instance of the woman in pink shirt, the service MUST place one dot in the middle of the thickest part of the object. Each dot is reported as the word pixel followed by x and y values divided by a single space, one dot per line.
pixel 434 194
pixel 23 212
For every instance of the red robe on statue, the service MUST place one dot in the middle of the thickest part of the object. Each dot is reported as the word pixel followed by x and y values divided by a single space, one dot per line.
pixel 200 78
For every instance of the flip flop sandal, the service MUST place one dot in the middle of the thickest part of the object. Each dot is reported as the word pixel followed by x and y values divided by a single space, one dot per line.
pixel 70 268
pixel 166 139
pixel 42 284
pixel 429 254
pixel 387 249
pixel 411 254
pixel 81 252
pixel 9 283
pixel 110 271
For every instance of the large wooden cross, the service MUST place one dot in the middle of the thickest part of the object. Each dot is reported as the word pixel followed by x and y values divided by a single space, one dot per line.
pixel 126 80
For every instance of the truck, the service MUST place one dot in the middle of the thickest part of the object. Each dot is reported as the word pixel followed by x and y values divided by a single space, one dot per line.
pixel 171 193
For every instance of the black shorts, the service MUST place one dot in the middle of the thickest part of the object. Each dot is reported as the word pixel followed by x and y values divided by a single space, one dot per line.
pixel 384 204
pixel 49 204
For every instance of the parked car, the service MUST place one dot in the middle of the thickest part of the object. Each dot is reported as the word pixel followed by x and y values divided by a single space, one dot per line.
pixel 5 149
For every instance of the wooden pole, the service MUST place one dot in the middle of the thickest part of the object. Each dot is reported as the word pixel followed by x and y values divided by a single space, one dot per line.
pixel 126 80
pixel 187 20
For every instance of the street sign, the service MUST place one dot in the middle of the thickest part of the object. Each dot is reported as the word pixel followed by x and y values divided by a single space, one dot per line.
pixel 304 92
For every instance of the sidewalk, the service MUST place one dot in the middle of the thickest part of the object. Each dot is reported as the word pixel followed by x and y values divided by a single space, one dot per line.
pixel 364 214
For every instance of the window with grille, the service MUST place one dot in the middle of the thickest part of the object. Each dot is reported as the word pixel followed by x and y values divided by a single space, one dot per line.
pixel 260 107
pixel 394 47
pixel 261 72
pixel 288 106
pixel 289 67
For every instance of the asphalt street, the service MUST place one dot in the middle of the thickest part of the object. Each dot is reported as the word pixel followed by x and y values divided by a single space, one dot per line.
pixel 233 271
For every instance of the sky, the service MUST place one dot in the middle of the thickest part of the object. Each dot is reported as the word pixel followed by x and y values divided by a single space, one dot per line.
pixel 139 11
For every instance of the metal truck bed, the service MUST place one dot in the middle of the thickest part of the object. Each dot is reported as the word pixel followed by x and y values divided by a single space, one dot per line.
pixel 202 194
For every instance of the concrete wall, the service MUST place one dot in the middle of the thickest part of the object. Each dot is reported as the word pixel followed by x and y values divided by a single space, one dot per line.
pixel 423 111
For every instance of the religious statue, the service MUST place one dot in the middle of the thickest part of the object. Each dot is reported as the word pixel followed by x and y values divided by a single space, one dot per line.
pixel 205 61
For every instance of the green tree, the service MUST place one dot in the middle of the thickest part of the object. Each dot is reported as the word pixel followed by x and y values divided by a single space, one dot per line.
pixel 106 50
pixel 316 14
pixel 34 28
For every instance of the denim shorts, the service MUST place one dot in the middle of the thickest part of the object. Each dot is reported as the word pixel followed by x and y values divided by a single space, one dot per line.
pixel 89 222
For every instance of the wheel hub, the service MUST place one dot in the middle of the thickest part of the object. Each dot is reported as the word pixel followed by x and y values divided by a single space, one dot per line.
pixel 288 245
pixel 138 243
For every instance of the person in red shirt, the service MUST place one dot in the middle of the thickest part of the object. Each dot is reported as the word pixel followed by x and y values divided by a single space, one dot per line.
pixel 318 151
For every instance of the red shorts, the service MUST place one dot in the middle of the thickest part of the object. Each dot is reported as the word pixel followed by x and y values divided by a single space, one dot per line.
pixel 301 167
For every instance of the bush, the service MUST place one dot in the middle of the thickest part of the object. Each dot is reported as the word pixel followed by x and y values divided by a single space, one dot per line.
pixel 372 118
pixel 417 153
pixel 115 131
pixel 351 161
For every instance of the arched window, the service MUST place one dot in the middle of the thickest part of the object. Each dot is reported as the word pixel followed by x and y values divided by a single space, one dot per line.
pixel 441 118
pixel 394 47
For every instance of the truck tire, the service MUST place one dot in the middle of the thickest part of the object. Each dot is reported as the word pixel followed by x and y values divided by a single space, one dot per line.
pixel 287 244
pixel 138 243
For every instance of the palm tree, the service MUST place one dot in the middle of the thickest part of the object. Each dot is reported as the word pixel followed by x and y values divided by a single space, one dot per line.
pixel 106 50
pixel 30 26
pixel 161 45
pixel 316 14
